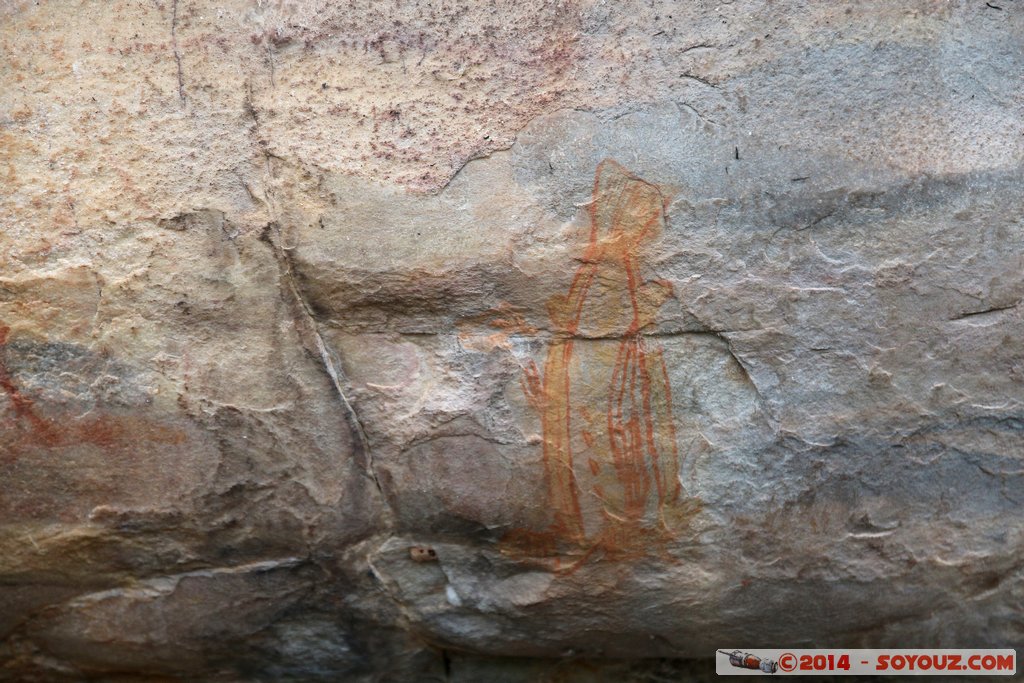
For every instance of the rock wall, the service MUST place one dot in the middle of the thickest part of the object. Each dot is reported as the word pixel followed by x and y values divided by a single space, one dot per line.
pixel 513 341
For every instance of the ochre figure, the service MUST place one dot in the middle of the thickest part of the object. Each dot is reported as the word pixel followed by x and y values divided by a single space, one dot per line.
pixel 609 442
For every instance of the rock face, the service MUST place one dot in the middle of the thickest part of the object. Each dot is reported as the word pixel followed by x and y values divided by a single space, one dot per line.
pixel 531 341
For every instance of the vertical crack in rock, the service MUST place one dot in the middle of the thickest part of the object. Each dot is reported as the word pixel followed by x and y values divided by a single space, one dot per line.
pixel 742 366
pixel 270 63
pixel 306 324
pixel 177 52
pixel 748 376
pixel 446 662
pixel 723 336
pixel 309 332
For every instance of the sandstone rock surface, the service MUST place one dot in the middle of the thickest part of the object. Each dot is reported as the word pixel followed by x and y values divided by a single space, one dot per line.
pixel 538 340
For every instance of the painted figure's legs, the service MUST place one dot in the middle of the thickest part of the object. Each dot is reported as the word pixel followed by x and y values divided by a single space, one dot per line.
pixel 625 430
pixel 660 433
pixel 558 460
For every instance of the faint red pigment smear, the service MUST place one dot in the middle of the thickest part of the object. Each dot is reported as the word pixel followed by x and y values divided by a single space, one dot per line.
pixel 109 431
pixel 24 407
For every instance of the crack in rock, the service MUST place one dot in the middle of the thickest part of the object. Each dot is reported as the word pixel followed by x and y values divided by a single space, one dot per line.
pixel 309 331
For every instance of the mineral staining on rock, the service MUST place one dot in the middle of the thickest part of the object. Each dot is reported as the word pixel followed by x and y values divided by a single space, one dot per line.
pixel 275 275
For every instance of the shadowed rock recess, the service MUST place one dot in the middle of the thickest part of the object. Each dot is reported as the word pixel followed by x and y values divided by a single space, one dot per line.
pixel 547 340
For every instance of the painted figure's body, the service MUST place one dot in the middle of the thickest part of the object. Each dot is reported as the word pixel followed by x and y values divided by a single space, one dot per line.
pixel 609 442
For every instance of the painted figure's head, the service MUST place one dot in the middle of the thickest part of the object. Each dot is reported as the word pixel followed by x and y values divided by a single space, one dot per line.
pixel 624 210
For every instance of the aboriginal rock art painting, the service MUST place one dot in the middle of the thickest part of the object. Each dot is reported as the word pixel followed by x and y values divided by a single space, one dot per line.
pixel 24 427
pixel 75 420
pixel 609 443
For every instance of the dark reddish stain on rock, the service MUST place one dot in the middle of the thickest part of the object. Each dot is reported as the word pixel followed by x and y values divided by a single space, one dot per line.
pixel 32 429
pixel 24 408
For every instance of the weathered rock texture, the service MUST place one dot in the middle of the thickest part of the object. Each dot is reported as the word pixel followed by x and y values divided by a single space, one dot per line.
pixel 419 341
